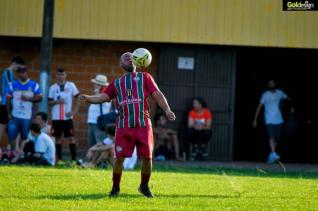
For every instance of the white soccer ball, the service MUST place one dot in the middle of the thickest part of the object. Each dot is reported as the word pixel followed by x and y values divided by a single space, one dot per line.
pixel 141 57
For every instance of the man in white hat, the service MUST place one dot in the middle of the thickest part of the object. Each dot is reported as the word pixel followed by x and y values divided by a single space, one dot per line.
pixel 95 135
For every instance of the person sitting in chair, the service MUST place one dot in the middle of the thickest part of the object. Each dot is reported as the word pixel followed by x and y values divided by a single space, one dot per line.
pixel 199 129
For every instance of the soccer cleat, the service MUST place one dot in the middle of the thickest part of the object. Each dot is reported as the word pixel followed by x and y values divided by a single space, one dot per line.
pixel 114 192
pixel 144 190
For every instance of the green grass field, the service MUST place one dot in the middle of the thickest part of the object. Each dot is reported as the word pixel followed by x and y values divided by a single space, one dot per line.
pixel 175 188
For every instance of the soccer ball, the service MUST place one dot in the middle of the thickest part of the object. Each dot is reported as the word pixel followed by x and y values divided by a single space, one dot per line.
pixel 141 57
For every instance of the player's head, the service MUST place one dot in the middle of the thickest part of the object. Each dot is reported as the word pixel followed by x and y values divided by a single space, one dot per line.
pixel 126 62
pixel 199 103
pixel 22 73
pixel 41 118
pixel 110 130
pixel 160 120
pixel 60 75
pixel 16 62
pixel 271 85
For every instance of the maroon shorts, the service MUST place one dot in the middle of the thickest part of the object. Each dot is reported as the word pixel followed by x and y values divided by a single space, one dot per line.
pixel 127 138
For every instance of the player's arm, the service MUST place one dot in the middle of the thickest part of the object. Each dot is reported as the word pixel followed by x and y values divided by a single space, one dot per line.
pixel 163 104
pixel 94 99
pixel 258 110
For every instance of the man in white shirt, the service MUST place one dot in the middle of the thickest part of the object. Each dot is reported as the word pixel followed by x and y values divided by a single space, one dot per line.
pixel 271 99
pixel 95 135
pixel 61 96
pixel 44 147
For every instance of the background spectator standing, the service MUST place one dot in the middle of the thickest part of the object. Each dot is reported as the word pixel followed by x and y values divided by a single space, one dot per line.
pixel 271 100
pixel 95 135
pixel 61 96
pixel 23 93
pixel 7 77
pixel 199 129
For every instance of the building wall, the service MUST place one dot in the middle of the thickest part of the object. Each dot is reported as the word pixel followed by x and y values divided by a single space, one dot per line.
pixel 230 22
pixel 81 59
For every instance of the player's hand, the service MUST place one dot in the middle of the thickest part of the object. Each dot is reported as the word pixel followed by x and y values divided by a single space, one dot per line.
pixel 170 115
pixel 60 101
pixel 69 114
pixel 83 98
pixel 25 98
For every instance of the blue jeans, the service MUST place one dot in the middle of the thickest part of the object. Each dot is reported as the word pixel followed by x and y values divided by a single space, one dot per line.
pixel 18 126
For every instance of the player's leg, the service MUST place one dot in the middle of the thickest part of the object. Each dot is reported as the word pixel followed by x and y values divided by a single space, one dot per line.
pixel 68 131
pixel 57 126
pixel 124 147
pixel 13 130
pixel 117 171
pixel 271 130
pixel 144 151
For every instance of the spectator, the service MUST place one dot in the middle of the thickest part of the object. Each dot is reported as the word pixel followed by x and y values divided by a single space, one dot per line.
pixel 199 129
pixel 44 147
pixel 23 92
pixel 102 150
pixel 61 96
pixel 95 135
pixel 27 146
pixel 271 100
pixel 166 139
pixel 6 78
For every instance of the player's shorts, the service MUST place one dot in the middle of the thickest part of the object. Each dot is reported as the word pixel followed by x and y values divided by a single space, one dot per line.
pixel 3 114
pixel 127 138
pixel 62 126
pixel 274 131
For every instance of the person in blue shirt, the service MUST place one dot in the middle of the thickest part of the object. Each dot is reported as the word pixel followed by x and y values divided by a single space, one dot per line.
pixel 23 93
pixel 7 77
pixel 271 100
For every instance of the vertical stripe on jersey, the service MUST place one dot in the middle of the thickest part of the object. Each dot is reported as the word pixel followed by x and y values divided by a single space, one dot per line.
pixel 141 96
pixel 120 99
pixel 131 110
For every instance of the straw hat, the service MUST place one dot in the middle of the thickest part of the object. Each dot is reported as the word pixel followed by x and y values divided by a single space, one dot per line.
pixel 100 80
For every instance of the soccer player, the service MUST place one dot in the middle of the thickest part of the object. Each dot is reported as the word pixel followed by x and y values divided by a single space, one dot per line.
pixel 61 96
pixel 133 127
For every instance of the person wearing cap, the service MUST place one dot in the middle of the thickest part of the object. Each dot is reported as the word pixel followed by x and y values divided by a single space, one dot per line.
pixel 61 95
pixel 23 93
pixel 95 135
pixel 6 77
pixel 133 125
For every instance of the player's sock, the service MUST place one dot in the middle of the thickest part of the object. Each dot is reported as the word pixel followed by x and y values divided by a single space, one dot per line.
pixel 58 151
pixel 145 179
pixel 73 151
pixel 116 180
